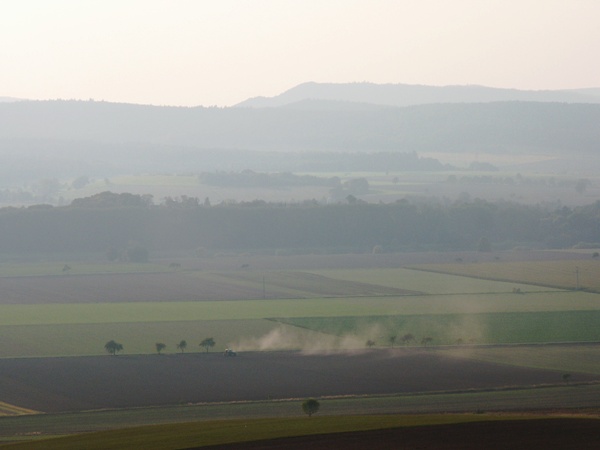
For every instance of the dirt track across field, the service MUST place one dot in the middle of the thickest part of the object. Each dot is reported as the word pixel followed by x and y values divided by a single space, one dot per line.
pixel 547 434
pixel 83 383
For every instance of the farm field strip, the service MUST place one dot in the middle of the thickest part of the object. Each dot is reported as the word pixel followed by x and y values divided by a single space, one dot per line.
pixel 317 285
pixel 76 268
pixel 450 329
pixel 54 385
pixel 13 410
pixel 313 307
pixel 567 274
pixel 239 431
pixel 312 334
pixel 21 341
pixel 179 285
pixel 564 358
pixel 44 425
pixel 429 282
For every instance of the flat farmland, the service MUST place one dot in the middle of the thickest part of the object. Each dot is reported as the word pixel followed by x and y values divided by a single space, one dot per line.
pixel 84 383
pixel 62 330
pixel 65 313
pixel 566 358
pixel 180 286
pixel 564 274
pixel 460 329
pixel 428 282
pixel 136 337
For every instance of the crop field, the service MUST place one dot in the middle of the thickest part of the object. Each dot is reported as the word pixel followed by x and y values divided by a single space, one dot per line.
pixel 458 329
pixel 565 358
pixel 566 395
pixel 465 431
pixel 76 313
pixel 431 283
pixel 54 324
pixel 136 337
pixel 564 274
pixel 45 269
pixel 82 329
pixel 73 384
pixel 173 286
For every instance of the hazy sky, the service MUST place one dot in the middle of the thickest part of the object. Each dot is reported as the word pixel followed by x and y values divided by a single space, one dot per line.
pixel 220 52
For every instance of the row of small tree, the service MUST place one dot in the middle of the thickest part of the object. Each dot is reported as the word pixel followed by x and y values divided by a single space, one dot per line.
pixel 114 347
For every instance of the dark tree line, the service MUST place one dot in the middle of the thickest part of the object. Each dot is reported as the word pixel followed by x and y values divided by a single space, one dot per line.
pixel 94 225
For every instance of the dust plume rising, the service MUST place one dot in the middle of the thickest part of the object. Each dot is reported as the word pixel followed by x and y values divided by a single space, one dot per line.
pixel 286 337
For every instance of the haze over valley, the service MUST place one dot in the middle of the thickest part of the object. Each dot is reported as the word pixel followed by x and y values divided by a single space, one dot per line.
pixel 285 224
pixel 51 148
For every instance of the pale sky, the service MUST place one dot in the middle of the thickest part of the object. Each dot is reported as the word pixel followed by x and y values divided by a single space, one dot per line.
pixel 221 52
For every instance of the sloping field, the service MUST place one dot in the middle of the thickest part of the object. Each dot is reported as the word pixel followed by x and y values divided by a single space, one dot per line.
pixel 68 384
pixel 564 274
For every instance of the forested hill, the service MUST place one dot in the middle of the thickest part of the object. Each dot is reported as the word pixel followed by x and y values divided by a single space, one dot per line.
pixel 117 221
pixel 413 94
pixel 557 128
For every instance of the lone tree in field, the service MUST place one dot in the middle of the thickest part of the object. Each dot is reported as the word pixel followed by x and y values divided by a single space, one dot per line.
pixel 182 345
pixel 310 406
pixel 113 347
pixel 370 343
pixel 392 340
pixel 207 343
pixel 426 341
pixel 160 347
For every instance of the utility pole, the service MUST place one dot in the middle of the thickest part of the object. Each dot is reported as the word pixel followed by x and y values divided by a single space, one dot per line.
pixel 264 290
pixel 576 278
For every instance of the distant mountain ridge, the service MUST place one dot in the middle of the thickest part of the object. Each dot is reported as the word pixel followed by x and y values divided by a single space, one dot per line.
pixel 401 95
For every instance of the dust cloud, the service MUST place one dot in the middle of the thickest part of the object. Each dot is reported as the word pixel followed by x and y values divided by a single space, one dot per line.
pixel 286 337
pixel 462 330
